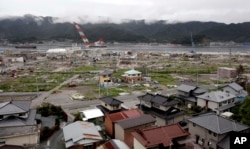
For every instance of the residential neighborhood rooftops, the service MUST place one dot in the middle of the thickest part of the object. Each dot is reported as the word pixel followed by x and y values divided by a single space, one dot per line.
pixel 159 99
pixel 132 71
pixel 111 101
pixel 235 86
pixel 124 114
pixel 216 96
pixel 217 124
pixel 81 133
pixel 114 144
pixel 17 121
pixel 106 72
pixel 91 113
pixel 165 134
pixel 186 88
pixel 136 121
pixel 13 107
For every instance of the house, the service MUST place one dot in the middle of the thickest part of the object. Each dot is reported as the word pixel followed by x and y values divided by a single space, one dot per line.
pixel 188 93
pixel 110 119
pixel 110 105
pixel 235 89
pixel 211 130
pixel 132 76
pixel 164 109
pixel 217 101
pixel 18 126
pixel 92 114
pixel 113 144
pixel 105 77
pixel 124 127
pixel 164 137
pixel 84 135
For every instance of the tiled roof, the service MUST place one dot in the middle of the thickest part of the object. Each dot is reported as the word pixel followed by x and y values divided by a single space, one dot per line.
pixel 136 121
pixel 217 124
pixel 159 99
pixel 235 86
pixel 114 144
pixel 216 96
pixel 123 115
pixel 186 88
pixel 16 121
pixel 159 135
pixel 107 72
pixel 111 101
pixel 132 71
pixel 14 107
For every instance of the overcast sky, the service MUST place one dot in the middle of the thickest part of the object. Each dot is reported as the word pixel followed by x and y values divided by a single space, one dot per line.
pixel 227 11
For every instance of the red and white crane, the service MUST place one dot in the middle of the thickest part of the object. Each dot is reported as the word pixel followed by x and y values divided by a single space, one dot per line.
pixel 97 44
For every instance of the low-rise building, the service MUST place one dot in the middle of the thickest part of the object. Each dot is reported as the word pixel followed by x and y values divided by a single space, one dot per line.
pixel 226 73
pixel 217 101
pixel 211 131
pixel 106 77
pixel 235 89
pixel 124 128
pixel 188 93
pixel 114 144
pixel 132 76
pixel 110 119
pixel 110 105
pixel 84 135
pixel 18 125
pixel 92 114
pixel 164 109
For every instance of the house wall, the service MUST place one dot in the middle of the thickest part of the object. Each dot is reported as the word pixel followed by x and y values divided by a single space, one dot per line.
pixel 122 134
pixel 108 126
pixel 132 79
pixel 146 103
pixel 181 93
pixel 205 135
pixel 30 139
pixel 201 102
pixel 213 106
pixel 138 145
pixel 105 78
pixel 111 108
pixel 162 122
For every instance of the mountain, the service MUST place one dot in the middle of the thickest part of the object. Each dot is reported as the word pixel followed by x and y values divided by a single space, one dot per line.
pixel 32 28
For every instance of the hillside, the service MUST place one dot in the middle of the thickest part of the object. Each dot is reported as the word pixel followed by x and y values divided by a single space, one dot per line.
pixel 31 29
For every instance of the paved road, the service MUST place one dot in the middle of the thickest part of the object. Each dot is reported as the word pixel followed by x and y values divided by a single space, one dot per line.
pixel 39 100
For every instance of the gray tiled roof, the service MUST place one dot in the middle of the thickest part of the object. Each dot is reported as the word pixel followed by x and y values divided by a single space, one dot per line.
pixel 159 99
pixel 136 121
pixel 186 88
pixel 217 124
pixel 216 96
pixel 111 101
pixel 16 121
pixel 107 72
pixel 235 86
pixel 13 107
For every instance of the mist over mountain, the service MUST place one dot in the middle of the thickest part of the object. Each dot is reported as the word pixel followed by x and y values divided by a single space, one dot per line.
pixel 32 29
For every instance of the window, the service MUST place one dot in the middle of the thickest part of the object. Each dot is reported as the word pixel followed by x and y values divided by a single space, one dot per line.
pixel 209 132
pixel 194 124
pixel 215 134
pixel 220 104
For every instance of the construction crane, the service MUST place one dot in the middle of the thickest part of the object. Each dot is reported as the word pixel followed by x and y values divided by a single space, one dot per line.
pixel 97 44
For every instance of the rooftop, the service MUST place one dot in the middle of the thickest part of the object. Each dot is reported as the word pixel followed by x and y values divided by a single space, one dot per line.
pixel 136 121
pixel 132 71
pixel 81 132
pixel 91 113
pixel 186 88
pixel 165 135
pixel 124 115
pixel 14 107
pixel 159 99
pixel 111 101
pixel 217 124
pixel 216 96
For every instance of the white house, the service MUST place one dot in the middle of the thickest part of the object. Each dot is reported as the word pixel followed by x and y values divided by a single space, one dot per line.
pixel 217 101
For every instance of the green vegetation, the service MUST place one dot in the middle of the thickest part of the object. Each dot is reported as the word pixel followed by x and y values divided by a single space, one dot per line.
pixel 242 112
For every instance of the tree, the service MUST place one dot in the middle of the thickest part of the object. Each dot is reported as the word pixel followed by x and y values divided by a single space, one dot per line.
pixel 244 111
pixel 240 70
